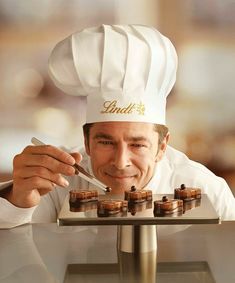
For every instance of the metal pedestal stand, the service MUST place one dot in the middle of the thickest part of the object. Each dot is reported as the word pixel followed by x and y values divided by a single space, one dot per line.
pixel 137 253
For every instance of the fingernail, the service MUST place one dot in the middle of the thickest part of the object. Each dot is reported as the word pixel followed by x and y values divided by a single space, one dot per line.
pixel 65 183
pixel 70 160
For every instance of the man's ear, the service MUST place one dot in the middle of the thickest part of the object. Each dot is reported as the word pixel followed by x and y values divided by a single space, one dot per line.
pixel 162 148
pixel 86 142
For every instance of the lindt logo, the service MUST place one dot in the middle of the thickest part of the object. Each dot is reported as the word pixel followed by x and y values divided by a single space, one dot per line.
pixel 111 107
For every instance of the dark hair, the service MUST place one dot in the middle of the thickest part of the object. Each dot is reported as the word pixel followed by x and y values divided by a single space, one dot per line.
pixel 162 131
pixel 86 130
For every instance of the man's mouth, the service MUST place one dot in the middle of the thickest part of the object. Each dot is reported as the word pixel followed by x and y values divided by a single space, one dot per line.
pixel 120 176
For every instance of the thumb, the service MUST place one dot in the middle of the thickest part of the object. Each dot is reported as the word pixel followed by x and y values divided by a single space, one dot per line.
pixel 77 156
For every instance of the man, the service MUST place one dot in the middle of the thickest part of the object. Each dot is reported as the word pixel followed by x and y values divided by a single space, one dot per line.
pixel 126 73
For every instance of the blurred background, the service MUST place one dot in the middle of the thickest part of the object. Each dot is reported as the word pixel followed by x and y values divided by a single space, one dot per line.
pixel 200 111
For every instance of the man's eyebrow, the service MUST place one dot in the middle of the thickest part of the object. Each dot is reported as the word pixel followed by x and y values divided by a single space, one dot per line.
pixel 102 136
pixel 138 138
pixel 130 139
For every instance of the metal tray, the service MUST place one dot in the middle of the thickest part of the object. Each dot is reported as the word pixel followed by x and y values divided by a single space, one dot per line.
pixel 200 214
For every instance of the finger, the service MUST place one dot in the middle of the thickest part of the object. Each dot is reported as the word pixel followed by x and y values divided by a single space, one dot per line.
pixel 77 156
pixel 25 160
pixel 42 172
pixel 33 183
pixel 51 151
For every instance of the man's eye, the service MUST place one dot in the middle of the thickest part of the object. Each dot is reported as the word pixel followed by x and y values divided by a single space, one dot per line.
pixel 138 145
pixel 105 142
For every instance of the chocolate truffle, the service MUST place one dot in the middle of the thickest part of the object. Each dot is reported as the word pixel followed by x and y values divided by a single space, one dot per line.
pixel 76 197
pixel 187 194
pixel 112 208
pixel 167 206
pixel 136 196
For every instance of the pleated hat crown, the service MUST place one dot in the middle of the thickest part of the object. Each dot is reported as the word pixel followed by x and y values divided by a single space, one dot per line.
pixel 125 71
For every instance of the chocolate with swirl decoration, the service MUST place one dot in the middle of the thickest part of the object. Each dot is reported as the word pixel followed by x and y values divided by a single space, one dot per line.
pixel 135 196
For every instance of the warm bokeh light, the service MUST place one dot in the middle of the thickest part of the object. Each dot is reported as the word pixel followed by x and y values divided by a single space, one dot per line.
pixel 53 122
pixel 28 83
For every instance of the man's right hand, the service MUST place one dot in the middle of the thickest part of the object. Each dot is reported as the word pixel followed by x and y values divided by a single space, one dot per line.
pixel 37 171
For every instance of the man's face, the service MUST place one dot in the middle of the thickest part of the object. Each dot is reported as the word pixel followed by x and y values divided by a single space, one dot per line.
pixel 123 154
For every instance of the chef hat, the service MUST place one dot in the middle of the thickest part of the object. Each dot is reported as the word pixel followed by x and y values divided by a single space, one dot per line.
pixel 125 71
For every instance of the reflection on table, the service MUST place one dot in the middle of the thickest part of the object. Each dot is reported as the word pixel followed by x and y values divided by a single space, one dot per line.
pixel 49 253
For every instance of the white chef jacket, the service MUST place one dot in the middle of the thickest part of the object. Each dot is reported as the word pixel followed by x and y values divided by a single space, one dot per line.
pixel 173 170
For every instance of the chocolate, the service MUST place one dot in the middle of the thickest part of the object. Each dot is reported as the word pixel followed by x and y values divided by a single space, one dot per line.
pixel 165 207
pixel 187 194
pixel 136 196
pixel 77 197
pixel 107 208
pixel 108 189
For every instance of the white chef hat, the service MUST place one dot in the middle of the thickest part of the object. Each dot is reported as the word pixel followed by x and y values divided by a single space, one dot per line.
pixel 126 72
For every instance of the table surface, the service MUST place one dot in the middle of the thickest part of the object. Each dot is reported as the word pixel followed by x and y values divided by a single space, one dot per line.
pixel 50 253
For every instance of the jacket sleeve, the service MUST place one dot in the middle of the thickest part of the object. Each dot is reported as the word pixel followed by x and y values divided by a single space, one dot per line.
pixel 45 212
pixel 12 216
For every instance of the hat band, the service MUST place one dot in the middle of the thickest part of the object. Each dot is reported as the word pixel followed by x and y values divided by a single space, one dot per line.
pixel 99 110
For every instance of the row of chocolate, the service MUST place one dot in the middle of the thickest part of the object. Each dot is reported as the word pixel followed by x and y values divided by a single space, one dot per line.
pixel 184 199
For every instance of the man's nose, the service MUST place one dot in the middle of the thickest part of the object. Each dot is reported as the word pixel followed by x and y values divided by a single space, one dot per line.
pixel 121 158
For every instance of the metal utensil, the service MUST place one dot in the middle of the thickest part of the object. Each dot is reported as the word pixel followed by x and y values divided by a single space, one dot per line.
pixel 79 170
